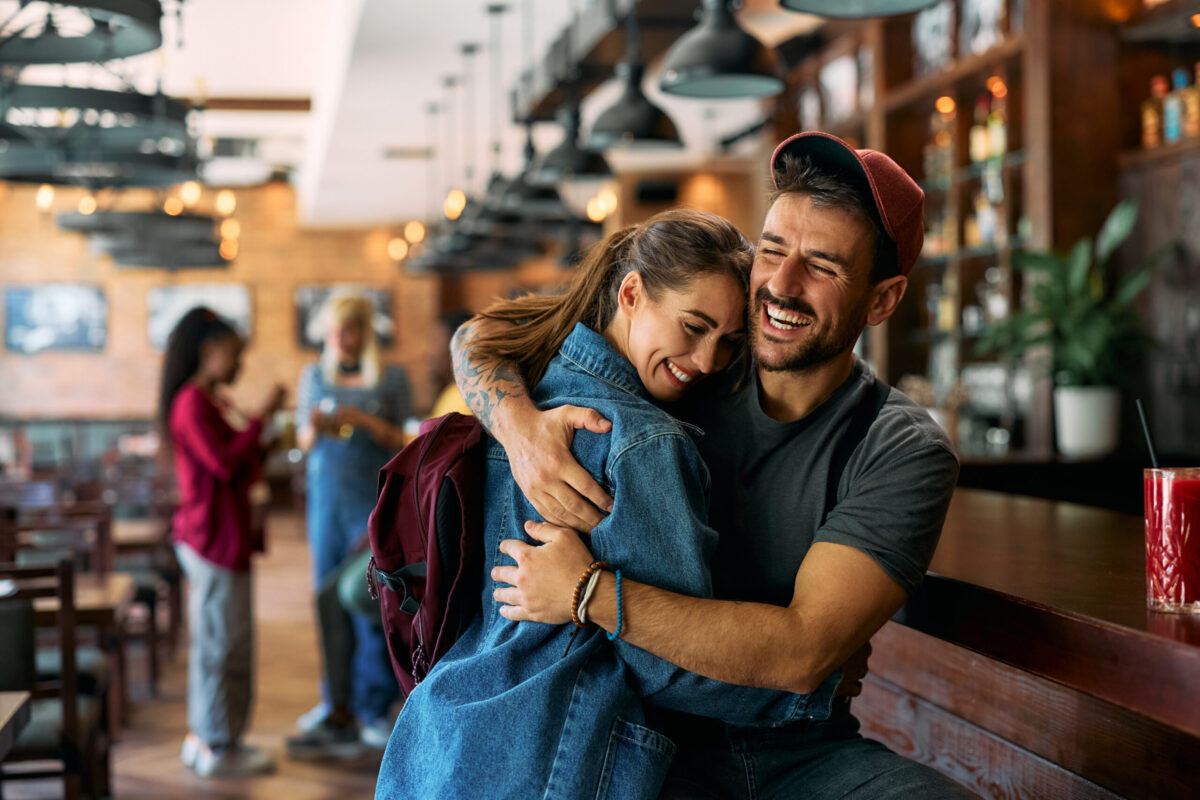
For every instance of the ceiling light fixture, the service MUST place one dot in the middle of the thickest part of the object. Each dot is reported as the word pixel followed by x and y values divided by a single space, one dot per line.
pixel 856 9
pixel 80 31
pixel 633 121
pixel 719 60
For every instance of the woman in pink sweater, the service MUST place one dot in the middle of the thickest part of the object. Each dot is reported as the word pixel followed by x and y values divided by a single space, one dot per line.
pixel 218 456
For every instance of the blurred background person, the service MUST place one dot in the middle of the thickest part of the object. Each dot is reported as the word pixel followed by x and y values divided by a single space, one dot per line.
pixel 350 415
pixel 218 456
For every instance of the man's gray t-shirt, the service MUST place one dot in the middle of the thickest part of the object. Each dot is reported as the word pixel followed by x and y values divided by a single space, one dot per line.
pixel 769 480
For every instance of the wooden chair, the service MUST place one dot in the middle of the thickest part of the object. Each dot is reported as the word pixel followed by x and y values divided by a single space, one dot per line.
pixel 82 531
pixel 65 727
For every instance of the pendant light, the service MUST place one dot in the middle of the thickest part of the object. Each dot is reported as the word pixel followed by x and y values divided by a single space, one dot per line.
pixel 633 121
pixel 80 31
pixel 856 9
pixel 572 163
pixel 719 60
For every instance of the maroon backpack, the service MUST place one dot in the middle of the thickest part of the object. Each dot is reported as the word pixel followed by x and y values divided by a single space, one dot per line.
pixel 425 534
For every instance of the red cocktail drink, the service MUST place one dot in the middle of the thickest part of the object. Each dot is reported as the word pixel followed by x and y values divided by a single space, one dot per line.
pixel 1173 539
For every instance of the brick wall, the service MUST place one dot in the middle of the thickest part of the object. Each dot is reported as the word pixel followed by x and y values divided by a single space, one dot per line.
pixel 275 257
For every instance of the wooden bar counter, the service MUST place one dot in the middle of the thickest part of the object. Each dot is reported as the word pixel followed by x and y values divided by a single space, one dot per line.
pixel 1027 665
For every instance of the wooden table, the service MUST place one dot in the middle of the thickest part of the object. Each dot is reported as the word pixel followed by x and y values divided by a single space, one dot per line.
pixel 102 602
pixel 1028 665
pixel 140 535
pixel 14 716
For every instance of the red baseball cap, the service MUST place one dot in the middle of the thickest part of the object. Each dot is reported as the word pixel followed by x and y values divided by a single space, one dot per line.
pixel 899 202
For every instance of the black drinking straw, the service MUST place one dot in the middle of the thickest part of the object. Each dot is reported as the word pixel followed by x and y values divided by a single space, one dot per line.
pixel 1146 430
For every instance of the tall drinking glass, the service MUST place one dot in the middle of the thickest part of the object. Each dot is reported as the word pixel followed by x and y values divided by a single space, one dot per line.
pixel 1173 539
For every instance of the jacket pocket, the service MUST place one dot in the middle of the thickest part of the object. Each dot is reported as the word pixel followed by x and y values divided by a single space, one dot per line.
pixel 636 762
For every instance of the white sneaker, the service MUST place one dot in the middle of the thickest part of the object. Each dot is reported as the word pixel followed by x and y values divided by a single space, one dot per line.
pixel 242 761
pixel 375 733
pixel 309 720
pixel 190 750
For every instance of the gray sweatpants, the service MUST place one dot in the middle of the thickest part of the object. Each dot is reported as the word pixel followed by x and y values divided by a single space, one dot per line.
pixel 221 649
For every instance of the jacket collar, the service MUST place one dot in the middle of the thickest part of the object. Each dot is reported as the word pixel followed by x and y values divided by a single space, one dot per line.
pixel 592 353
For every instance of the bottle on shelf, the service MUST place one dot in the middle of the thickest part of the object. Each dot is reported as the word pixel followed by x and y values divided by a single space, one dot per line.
pixel 1191 107
pixel 979 143
pixel 1152 112
pixel 997 119
pixel 1172 117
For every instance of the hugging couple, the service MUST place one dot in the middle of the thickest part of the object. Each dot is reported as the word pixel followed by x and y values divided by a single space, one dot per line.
pixel 700 505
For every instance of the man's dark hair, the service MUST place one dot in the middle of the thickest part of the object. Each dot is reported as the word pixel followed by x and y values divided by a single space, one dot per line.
pixel 829 188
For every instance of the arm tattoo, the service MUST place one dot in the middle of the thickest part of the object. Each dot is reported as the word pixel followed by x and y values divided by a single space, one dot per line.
pixel 484 384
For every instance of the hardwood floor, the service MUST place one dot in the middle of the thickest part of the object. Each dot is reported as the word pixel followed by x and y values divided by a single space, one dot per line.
pixel 146 761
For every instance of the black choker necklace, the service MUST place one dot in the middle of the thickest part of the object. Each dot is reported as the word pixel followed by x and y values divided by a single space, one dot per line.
pixel 349 369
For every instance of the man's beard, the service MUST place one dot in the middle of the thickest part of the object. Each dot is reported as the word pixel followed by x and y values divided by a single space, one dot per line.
pixel 819 347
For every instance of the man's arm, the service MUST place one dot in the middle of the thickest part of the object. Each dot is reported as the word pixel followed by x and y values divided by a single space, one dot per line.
pixel 538 443
pixel 841 598
pixel 841 594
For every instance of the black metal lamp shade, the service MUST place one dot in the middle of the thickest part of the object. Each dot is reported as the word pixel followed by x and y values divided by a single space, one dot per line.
pixel 719 60
pixel 94 168
pixel 149 238
pixel 571 161
pixel 110 29
pixel 856 9
pixel 633 121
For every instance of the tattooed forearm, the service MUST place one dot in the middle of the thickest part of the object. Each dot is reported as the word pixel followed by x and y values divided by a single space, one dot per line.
pixel 483 383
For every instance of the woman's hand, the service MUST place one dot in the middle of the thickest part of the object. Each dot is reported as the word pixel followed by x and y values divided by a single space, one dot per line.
pixel 542 583
pixel 539 455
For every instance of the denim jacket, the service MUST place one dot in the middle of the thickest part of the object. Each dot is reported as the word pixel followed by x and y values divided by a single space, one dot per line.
pixel 506 714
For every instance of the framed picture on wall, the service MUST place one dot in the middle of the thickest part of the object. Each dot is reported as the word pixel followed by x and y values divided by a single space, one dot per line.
pixel 55 316
pixel 311 299
pixel 168 304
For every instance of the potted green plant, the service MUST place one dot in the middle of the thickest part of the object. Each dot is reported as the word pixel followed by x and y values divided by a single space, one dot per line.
pixel 1082 329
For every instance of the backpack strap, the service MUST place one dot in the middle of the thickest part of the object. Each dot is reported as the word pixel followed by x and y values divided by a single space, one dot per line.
pixel 396 581
pixel 864 416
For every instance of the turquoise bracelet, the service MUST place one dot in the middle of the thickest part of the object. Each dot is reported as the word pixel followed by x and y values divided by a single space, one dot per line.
pixel 612 637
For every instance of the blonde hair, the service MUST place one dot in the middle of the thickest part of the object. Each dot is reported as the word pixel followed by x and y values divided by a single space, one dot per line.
pixel 346 306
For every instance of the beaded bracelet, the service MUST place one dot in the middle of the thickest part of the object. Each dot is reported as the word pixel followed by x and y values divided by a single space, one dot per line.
pixel 612 637
pixel 594 567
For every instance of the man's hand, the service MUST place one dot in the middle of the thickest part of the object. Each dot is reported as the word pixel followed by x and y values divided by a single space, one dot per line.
pixel 541 585
pixel 538 444
pixel 853 672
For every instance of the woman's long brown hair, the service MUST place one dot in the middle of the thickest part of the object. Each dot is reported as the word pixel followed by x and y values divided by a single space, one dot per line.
pixel 669 250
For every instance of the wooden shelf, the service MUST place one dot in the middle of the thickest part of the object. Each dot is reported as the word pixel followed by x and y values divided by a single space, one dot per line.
pixel 942 182
pixel 1169 22
pixel 1151 156
pixel 937 83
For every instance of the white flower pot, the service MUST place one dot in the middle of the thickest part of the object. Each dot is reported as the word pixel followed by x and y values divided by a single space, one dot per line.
pixel 1086 420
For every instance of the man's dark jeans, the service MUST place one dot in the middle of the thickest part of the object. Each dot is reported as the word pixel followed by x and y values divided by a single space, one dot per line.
pixel 811 760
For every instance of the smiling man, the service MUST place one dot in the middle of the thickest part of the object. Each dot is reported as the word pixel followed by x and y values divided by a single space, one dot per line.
pixel 829 491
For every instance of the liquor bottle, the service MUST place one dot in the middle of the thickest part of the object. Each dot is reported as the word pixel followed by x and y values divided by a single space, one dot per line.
pixel 979 143
pixel 1191 108
pixel 1152 108
pixel 997 123
pixel 1173 107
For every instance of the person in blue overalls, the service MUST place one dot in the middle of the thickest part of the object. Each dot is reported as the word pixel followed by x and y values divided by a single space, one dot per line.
pixel 350 411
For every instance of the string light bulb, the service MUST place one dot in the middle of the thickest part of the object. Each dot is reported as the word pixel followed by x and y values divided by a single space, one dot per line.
pixel 190 192
pixel 414 232
pixel 173 206
pixel 456 201
pixel 608 199
pixel 230 229
pixel 595 210
pixel 87 205
pixel 44 197
pixel 397 249
pixel 945 105
pixel 228 249
pixel 226 202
